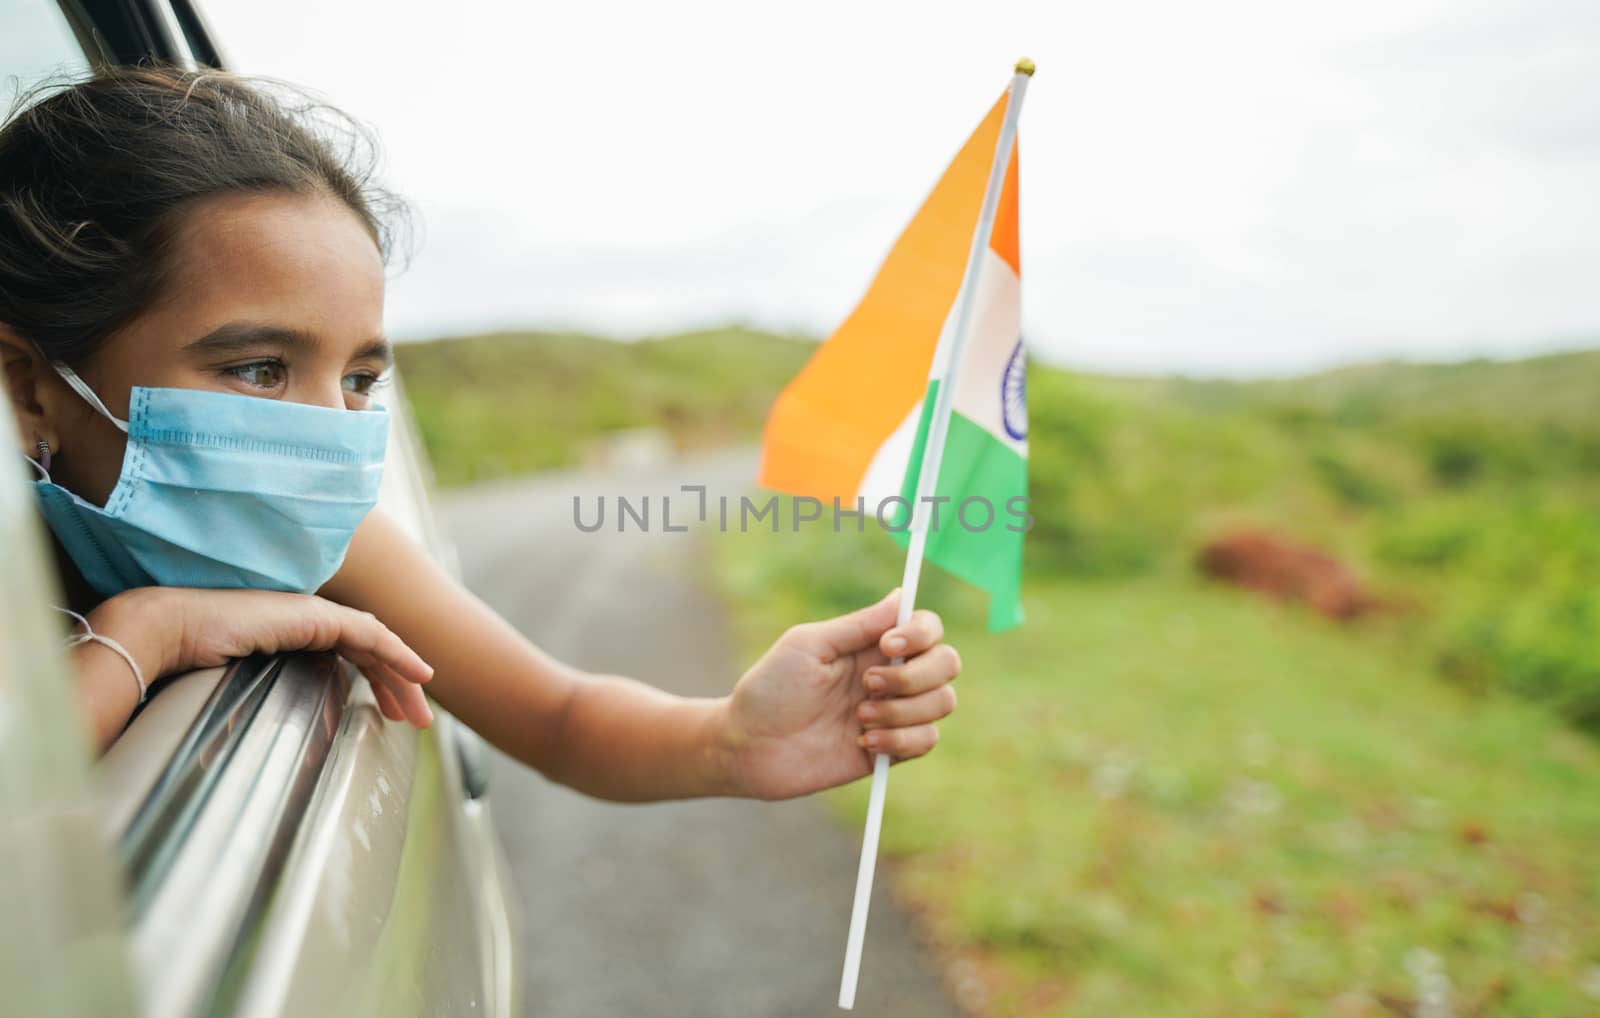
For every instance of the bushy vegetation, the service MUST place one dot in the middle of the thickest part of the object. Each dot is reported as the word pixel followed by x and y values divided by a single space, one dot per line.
pixel 1467 494
pixel 1165 797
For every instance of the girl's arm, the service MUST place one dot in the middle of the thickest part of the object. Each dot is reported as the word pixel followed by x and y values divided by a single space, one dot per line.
pixel 793 725
pixel 606 736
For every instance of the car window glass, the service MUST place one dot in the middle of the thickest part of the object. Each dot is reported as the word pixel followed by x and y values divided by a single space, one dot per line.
pixel 36 43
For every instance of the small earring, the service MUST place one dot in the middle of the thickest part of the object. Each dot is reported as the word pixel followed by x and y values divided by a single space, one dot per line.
pixel 44 455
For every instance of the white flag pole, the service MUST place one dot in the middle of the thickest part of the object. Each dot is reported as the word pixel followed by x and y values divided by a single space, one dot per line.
pixel 927 483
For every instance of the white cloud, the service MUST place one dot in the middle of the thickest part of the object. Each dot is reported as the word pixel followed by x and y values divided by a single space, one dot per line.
pixel 1236 187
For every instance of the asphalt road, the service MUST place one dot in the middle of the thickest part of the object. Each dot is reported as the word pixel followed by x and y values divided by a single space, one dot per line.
pixel 707 908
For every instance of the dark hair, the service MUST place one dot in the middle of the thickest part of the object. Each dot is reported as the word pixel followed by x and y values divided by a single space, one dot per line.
pixel 95 177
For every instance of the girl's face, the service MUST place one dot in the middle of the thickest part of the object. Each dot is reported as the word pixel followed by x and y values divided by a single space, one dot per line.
pixel 273 296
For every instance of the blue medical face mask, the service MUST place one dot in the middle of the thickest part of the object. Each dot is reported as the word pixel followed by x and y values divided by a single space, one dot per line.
pixel 224 491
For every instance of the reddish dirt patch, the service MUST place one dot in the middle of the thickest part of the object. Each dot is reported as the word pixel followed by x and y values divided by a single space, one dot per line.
pixel 1287 570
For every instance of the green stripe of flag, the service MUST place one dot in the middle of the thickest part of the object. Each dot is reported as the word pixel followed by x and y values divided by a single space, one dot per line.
pixel 985 552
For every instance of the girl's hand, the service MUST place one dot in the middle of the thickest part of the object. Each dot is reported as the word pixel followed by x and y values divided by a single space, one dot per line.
pixel 817 706
pixel 171 629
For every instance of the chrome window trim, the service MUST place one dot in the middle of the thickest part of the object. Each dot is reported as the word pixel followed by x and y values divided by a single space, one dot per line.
pixel 202 42
pixel 185 783
pixel 182 54
pixel 207 848
pixel 131 767
pixel 280 940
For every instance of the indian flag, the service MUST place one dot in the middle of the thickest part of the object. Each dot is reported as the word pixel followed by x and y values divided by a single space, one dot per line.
pixel 855 422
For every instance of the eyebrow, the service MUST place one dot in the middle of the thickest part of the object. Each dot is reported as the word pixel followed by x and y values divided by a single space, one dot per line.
pixel 241 337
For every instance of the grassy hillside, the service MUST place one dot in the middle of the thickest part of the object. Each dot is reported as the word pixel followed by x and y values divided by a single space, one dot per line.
pixel 1467 493
pixel 1165 797
pixel 499 405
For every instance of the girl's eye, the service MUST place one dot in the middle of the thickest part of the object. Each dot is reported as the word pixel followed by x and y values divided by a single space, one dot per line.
pixel 361 382
pixel 261 374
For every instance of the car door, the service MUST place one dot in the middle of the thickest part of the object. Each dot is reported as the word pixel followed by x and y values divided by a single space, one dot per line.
pixel 259 841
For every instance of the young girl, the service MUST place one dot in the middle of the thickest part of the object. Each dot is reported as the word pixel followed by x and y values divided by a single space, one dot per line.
pixel 191 329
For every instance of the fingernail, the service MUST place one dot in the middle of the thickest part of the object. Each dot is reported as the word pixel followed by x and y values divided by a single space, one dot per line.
pixel 876 683
pixel 868 741
pixel 895 644
pixel 868 712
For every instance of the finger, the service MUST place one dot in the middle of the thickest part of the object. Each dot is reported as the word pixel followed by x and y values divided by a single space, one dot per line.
pixel 415 703
pixel 387 705
pixel 362 634
pixel 908 711
pixel 406 695
pixel 850 633
pixel 356 635
pixel 412 701
pixel 407 663
pixel 926 671
pixel 901 743
pixel 923 631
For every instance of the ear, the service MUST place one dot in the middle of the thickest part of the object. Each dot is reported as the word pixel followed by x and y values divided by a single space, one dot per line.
pixel 28 380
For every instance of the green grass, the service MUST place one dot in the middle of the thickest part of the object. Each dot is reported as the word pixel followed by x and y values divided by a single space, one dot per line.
pixel 1163 798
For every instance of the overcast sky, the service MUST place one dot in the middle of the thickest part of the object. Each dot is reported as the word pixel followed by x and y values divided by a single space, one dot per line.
pixel 1237 187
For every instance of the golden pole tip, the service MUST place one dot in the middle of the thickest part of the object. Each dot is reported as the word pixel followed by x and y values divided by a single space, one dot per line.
pixel 1025 66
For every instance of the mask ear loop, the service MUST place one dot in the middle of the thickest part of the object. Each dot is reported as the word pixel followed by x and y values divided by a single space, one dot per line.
pixel 80 387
